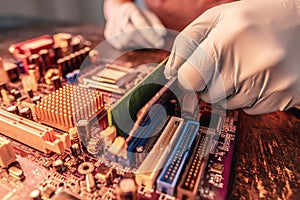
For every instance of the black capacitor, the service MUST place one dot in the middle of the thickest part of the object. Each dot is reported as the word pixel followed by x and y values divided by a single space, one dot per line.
pixel 59 166
pixel 36 99
pixel 62 67
pixel 83 129
pixel 75 44
pixel 73 61
pixel 13 109
pixel 69 66
pixel 3 86
pixel 12 91
pixel 35 59
pixel 75 149
pixel 78 59
pixel 56 82
pixel 57 52
pixel 46 63
pixel 30 93
pixel 26 113
pixel 17 94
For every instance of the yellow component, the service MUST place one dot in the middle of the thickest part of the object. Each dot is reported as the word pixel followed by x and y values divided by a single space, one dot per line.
pixel 7 155
pixel 109 135
pixel 33 134
pixel 119 147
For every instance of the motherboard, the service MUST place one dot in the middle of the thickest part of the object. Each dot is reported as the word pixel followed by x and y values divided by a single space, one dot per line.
pixel 75 127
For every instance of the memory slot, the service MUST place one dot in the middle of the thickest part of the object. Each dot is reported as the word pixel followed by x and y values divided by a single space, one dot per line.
pixel 193 170
pixel 168 178
pixel 152 127
pixel 151 142
pixel 147 173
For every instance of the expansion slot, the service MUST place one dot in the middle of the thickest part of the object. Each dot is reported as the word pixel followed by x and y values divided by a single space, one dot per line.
pixel 169 176
pixel 148 171
pixel 32 133
pixel 192 173
pixel 143 135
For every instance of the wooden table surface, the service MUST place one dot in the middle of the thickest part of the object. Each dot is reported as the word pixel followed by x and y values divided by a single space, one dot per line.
pixel 267 152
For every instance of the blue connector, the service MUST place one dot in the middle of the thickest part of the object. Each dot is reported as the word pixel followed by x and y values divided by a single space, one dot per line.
pixel 168 178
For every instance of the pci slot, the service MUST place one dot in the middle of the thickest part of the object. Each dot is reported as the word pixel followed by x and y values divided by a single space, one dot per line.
pixel 192 173
pixel 147 173
pixel 169 176
pixel 33 134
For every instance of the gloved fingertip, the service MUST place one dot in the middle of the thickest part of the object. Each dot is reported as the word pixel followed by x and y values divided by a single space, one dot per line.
pixel 190 79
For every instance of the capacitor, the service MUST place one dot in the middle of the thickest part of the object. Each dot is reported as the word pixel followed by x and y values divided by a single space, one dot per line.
pixel 3 86
pixel 140 156
pixel 90 182
pixel 75 44
pixel 36 99
pixel 44 53
pixel 75 149
pixel 26 113
pixel 73 61
pixel 59 166
pixel 61 64
pixel 13 109
pixel 17 94
pixel 56 82
pixel 83 129
pixel 127 189
pixel 69 66
pixel 30 93
pixel 58 52
pixel 36 195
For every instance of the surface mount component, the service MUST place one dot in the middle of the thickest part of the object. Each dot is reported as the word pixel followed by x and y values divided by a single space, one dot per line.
pixel 7 155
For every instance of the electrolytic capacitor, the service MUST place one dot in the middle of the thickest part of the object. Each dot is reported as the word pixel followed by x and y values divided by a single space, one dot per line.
pixel 45 61
pixel 36 195
pixel 90 182
pixel 13 109
pixel 127 190
pixel 59 166
pixel 56 82
pixel 75 149
pixel 83 129
pixel 69 66
pixel 36 99
pixel 26 113
pixel 3 86
pixel 17 94
pixel 30 93
pixel 58 52
pixel 61 64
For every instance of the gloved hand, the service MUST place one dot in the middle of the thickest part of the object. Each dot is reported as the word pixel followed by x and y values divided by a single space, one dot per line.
pixel 128 26
pixel 243 54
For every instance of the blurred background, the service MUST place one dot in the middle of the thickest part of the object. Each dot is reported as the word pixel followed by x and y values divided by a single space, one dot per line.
pixel 15 13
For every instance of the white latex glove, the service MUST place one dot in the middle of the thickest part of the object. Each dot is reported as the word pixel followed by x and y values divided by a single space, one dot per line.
pixel 128 26
pixel 244 54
